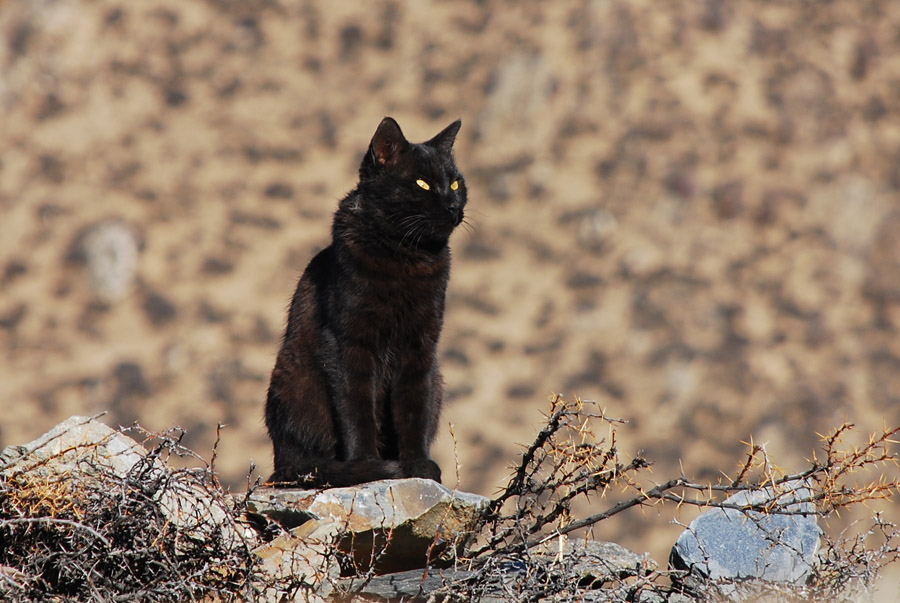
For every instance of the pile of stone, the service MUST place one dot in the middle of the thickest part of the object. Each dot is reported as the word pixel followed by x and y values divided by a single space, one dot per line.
pixel 388 540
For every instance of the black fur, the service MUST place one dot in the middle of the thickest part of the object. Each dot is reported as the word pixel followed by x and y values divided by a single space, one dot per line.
pixel 356 393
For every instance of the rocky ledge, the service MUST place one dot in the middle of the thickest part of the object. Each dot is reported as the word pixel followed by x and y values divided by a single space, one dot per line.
pixel 86 487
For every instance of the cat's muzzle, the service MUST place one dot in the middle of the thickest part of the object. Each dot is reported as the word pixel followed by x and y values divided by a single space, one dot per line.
pixel 456 213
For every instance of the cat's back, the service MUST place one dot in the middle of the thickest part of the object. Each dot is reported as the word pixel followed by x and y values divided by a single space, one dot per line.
pixel 309 305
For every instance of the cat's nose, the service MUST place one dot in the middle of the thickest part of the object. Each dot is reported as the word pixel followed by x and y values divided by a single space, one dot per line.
pixel 456 212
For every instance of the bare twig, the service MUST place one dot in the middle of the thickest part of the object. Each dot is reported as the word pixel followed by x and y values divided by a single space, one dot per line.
pixel 567 461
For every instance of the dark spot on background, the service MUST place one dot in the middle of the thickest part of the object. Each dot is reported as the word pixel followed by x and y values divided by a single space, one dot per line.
pixel 216 266
pixel 713 16
pixel 680 181
pixel 210 314
pixel 279 190
pixel 10 319
pixel 175 95
pixel 477 303
pixel 327 130
pixel 262 332
pixel 52 168
pixel 13 270
pixel 158 309
pixel 591 374
pixel 457 392
pixel 389 16
pixel 767 41
pixel 253 219
pixel 229 88
pixel 51 106
pixel 520 391
pixel 728 200
pixel 259 153
pixel 455 355
pixel 866 52
pixel 545 346
pixel 496 346
pixel 114 16
pixel 583 280
pixel 20 38
pixel 130 381
pixel 477 249
pixel 351 40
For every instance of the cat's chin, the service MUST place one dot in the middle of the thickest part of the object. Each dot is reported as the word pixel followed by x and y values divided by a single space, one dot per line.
pixel 446 229
pixel 434 243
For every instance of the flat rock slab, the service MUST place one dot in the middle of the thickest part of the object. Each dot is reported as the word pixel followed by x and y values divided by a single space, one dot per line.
pixel 589 564
pixel 77 444
pixel 394 525
pixel 84 450
pixel 732 544
pixel 596 562
pixel 408 585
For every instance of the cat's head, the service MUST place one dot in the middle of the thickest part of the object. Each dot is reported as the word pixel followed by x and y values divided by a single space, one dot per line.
pixel 413 190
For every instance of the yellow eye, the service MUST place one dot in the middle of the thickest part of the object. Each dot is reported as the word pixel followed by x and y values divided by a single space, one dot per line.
pixel 454 186
pixel 423 184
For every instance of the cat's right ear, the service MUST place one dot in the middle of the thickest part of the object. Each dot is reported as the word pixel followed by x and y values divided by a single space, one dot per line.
pixel 443 141
pixel 388 143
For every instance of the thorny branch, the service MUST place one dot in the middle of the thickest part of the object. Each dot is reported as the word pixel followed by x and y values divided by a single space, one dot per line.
pixel 567 460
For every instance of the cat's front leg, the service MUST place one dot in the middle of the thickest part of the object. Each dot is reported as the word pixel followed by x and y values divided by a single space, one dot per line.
pixel 355 402
pixel 416 405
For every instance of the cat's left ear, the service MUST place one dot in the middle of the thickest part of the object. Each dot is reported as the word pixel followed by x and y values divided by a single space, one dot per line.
pixel 388 142
pixel 443 142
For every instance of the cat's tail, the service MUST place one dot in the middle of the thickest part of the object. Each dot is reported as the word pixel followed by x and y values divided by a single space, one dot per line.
pixel 318 473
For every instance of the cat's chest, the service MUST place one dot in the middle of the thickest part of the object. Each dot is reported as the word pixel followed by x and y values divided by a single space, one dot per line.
pixel 395 317
pixel 392 306
pixel 400 306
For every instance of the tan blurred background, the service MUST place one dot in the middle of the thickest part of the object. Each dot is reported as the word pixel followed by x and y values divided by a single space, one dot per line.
pixel 687 211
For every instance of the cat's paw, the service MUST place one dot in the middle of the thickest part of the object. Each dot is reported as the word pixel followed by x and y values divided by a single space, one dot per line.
pixel 423 467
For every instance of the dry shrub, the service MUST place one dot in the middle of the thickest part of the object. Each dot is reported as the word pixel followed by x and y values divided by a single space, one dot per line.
pixel 575 455
pixel 92 534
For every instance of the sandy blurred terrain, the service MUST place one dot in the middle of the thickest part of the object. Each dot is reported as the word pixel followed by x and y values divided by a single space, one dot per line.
pixel 687 211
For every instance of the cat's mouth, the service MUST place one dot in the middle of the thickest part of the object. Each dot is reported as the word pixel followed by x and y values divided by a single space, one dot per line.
pixel 456 215
pixel 430 233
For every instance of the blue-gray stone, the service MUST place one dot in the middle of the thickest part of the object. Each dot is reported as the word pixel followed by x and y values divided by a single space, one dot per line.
pixel 732 544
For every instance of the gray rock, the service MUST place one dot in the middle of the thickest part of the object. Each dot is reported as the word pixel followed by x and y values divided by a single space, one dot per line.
pixel 111 253
pixel 312 565
pixel 408 584
pixel 595 562
pixel 595 228
pixel 82 448
pixel 392 524
pixel 589 564
pixel 732 544
pixel 649 596
pixel 77 444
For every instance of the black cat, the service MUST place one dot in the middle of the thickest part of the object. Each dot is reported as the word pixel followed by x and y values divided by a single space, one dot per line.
pixel 356 392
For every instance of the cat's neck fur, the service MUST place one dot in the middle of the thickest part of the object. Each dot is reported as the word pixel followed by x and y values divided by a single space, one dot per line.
pixel 352 230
